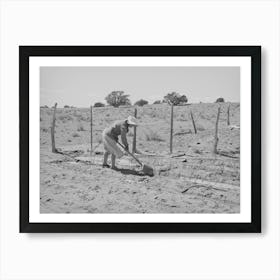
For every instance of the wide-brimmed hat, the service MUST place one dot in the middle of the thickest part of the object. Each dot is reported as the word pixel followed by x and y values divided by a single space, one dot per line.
pixel 132 121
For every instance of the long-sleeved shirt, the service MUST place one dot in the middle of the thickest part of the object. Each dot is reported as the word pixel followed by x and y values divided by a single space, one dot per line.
pixel 118 128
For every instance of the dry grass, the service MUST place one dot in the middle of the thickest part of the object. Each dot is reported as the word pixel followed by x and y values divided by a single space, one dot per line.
pixel 153 136
pixel 81 128
pixel 192 159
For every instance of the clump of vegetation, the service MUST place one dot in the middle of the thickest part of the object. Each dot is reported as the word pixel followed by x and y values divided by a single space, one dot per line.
pixel 80 128
pixel 117 98
pixel 196 151
pixel 66 106
pixel 200 127
pixel 99 104
pixel 153 136
pixel 65 117
pixel 157 102
pixel 175 98
pixel 75 134
pixel 220 99
pixel 141 102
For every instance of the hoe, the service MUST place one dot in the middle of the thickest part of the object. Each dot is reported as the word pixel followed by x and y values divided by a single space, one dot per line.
pixel 144 168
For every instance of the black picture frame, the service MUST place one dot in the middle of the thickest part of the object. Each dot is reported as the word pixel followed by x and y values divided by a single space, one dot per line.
pixel 25 52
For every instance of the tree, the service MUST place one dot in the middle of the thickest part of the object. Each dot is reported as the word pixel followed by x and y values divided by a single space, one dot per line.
pixel 157 102
pixel 175 98
pixel 117 98
pixel 99 104
pixel 141 102
pixel 220 99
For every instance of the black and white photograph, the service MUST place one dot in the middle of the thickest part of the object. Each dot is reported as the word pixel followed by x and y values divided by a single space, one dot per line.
pixel 140 139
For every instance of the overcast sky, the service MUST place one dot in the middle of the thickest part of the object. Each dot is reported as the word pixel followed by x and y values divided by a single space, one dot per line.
pixel 83 86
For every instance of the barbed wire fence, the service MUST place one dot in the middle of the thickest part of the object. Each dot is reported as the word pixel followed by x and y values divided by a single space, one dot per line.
pixel 136 114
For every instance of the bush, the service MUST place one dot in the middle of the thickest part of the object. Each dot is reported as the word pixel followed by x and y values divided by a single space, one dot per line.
pixel 76 134
pixel 45 106
pixel 141 102
pixel 175 98
pixel 99 104
pixel 66 106
pixel 157 102
pixel 200 127
pixel 220 99
pixel 117 98
pixel 153 136
pixel 65 118
pixel 80 128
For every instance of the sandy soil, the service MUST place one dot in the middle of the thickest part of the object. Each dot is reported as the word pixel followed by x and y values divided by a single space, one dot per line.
pixel 190 180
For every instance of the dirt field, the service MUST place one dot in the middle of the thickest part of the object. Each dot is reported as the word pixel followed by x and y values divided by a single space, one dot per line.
pixel 190 180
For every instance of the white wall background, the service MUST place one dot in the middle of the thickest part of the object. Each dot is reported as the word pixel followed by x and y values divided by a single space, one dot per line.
pixel 127 256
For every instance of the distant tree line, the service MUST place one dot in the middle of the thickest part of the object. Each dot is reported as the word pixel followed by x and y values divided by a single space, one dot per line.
pixel 119 98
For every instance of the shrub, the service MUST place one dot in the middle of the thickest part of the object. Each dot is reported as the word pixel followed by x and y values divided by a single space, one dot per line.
pixel 157 102
pixel 117 98
pixel 65 118
pixel 80 128
pixel 153 136
pixel 175 98
pixel 141 102
pixel 66 106
pixel 196 151
pixel 75 134
pixel 99 104
pixel 200 127
pixel 220 99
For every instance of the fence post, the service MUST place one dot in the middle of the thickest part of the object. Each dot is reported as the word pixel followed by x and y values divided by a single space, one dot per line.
pixel 171 129
pixel 228 120
pixel 134 134
pixel 194 126
pixel 54 150
pixel 216 138
pixel 91 131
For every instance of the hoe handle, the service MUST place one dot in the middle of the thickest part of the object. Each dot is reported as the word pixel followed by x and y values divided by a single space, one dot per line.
pixel 131 154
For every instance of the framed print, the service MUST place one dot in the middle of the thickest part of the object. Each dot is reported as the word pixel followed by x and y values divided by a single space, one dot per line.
pixel 140 138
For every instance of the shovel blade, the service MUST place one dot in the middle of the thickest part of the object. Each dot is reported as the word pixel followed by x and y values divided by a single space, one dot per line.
pixel 147 170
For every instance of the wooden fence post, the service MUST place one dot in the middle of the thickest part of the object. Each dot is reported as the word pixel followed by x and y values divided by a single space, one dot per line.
pixel 194 126
pixel 91 131
pixel 134 134
pixel 54 150
pixel 216 138
pixel 228 120
pixel 171 129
